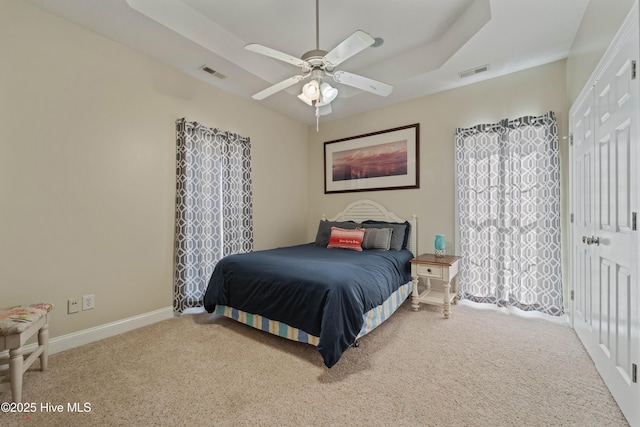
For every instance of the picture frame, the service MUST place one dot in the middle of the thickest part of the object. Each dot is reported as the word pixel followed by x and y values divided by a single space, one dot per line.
pixel 383 160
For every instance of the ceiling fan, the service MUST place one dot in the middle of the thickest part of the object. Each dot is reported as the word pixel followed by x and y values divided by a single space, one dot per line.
pixel 320 65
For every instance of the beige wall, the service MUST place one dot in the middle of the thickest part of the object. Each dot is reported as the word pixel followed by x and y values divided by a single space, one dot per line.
pixel 87 168
pixel 531 92
pixel 600 23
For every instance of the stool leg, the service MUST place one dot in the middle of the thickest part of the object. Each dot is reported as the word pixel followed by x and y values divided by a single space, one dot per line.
pixel 15 373
pixel 43 341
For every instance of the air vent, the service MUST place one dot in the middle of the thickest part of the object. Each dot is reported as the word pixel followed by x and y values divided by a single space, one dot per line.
pixel 473 71
pixel 212 72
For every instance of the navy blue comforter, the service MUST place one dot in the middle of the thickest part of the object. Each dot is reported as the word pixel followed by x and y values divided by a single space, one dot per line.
pixel 324 292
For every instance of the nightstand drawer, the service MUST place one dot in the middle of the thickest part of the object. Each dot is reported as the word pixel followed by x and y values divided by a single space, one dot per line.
pixel 430 271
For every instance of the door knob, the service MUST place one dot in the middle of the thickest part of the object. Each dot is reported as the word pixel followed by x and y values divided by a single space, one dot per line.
pixel 593 240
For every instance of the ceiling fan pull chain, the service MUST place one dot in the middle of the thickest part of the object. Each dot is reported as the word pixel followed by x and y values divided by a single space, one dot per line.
pixel 317 117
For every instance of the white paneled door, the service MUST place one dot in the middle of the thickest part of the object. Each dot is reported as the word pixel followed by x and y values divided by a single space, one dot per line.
pixel 583 221
pixel 604 240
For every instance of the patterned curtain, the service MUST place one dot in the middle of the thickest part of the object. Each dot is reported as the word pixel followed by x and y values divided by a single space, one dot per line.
pixel 508 184
pixel 213 206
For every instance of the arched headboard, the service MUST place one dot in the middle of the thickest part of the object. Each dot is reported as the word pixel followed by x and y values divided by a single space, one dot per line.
pixel 362 210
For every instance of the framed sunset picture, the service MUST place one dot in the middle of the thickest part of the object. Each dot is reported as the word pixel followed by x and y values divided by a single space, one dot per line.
pixel 383 160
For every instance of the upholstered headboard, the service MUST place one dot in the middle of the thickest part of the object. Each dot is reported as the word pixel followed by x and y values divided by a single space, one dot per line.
pixel 362 210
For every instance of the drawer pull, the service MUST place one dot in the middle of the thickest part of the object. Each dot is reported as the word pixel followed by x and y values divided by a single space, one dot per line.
pixel 428 270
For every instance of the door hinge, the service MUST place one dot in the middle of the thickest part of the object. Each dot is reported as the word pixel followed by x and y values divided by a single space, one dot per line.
pixel 633 70
pixel 634 221
pixel 634 373
pixel 571 218
pixel 573 295
pixel 570 139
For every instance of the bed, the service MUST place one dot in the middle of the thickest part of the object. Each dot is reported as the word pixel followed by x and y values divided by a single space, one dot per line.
pixel 322 293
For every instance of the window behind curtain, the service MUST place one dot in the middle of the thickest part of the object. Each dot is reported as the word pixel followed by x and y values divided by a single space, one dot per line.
pixel 214 214
pixel 508 188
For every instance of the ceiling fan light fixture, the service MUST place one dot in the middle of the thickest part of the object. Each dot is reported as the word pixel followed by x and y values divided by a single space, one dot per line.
pixel 306 100
pixel 328 93
pixel 311 90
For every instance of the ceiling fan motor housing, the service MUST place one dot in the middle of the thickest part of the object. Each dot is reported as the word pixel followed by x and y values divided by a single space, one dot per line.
pixel 317 73
pixel 315 58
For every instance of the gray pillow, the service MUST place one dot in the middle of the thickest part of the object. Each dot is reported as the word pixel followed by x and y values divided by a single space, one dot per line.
pixel 324 230
pixel 397 236
pixel 407 229
pixel 377 238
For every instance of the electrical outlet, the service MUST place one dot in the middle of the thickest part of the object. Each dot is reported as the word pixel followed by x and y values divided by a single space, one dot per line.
pixel 73 305
pixel 88 302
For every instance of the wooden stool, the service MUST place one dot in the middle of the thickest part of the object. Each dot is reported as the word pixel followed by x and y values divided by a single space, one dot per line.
pixel 17 325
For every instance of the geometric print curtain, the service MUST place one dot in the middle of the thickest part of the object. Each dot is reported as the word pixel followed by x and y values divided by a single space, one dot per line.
pixel 508 194
pixel 214 208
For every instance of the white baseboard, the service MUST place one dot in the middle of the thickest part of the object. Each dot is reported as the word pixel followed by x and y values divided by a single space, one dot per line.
pixel 86 336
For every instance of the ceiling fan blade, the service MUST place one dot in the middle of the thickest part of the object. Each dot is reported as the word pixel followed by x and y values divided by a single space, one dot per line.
pixel 278 87
pixel 353 44
pixel 364 83
pixel 267 51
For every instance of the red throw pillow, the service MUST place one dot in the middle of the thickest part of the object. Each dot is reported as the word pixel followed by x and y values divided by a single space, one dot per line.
pixel 346 239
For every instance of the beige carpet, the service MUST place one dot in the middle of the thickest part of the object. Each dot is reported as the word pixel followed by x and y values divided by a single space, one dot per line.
pixel 479 368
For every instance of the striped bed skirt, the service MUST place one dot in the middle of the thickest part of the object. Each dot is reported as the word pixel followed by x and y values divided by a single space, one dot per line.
pixel 372 318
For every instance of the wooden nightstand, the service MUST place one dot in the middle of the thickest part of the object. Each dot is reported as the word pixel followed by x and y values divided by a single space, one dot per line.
pixel 443 269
